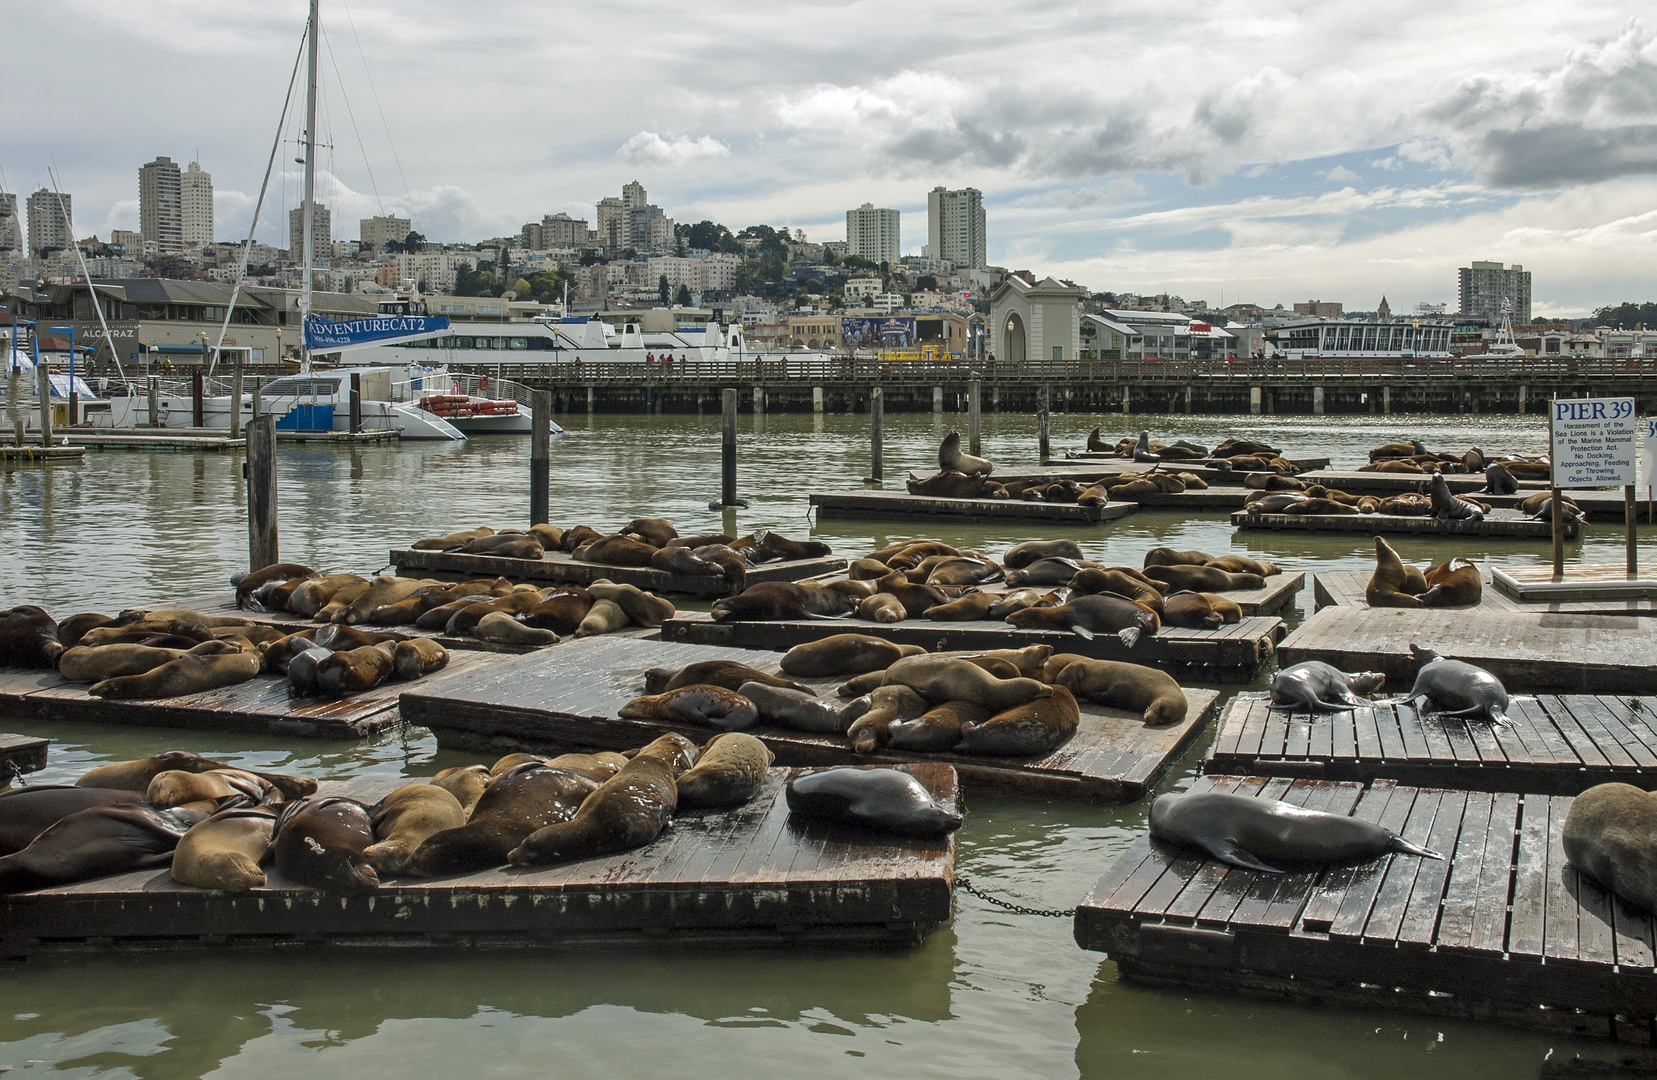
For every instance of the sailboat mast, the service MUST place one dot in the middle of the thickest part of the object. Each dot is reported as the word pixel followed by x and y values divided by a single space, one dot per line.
pixel 309 210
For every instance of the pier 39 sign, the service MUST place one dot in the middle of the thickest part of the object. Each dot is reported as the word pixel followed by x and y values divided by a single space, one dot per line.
pixel 1596 442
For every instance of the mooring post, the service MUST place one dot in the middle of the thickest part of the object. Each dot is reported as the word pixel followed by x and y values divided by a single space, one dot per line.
pixel 727 457
pixel 816 399
pixel 540 456
pixel 236 398
pixel 44 378
pixel 1254 401
pixel 155 400
pixel 356 403
pixel 262 544
pixel 1042 402
pixel 258 400
pixel 877 410
pixel 1631 515
pixel 195 399
pixel 937 399
pixel 1187 399
pixel 1127 400
pixel 1386 401
pixel 974 440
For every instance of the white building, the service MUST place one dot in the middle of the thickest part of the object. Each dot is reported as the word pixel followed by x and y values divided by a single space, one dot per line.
pixel 435 268
pixel 955 226
pixel 11 233
pixel 49 222
pixel 195 191
pixel 161 205
pixel 873 233
pixel 715 272
pixel 859 289
pixel 382 229
pixel 1035 322
pixel 322 236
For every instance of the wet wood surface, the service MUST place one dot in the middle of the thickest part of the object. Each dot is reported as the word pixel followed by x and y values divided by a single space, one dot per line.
pixel 1346 588
pixel 559 567
pixel 900 505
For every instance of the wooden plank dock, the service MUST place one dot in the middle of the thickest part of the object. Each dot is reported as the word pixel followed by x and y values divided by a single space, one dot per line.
pixel 1594 582
pixel 1354 482
pixel 20 754
pixel 1231 654
pixel 1498 524
pixel 1529 651
pixel 567 699
pixel 35 454
pixel 747 877
pixel 1554 745
pixel 1503 928
pixel 1332 589
pixel 557 567
pixel 897 505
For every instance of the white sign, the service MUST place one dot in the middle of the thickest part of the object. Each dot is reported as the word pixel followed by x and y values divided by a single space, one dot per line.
pixel 1650 450
pixel 1596 442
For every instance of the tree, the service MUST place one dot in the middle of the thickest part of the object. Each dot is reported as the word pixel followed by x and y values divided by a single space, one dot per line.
pixel 682 297
pixel 926 283
pixel 1626 315
pixel 663 290
pixel 710 236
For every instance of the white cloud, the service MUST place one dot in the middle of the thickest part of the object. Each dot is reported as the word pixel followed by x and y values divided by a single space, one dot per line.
pixel 1341 173
pixel 649 148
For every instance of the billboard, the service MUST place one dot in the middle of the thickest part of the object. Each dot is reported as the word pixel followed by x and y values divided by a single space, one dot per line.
pixel 892 332
pixel 325 335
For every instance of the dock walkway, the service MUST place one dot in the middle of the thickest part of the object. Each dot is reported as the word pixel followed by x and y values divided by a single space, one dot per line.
pixel 1346 589
pixel 1498 524
pixel 557 567
pixel 900 505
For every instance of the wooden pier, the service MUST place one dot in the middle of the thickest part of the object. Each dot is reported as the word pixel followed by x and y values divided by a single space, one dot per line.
pixel 1354 482
pixel 1504 928
pixel 1529 651
pixel 1498 524
pixel 1553 745
pixel 557 567
pixel 899 505
pixel 745 877
pixel 1346 588
pixel 20 754
pixel 27 454
pixel 1594 583
pixel 1231 654
pixel 567 700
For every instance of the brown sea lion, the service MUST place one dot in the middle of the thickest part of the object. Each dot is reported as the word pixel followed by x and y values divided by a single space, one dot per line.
pixel 28 638
pixel 499 628
pixel 1318 506
pixel 915 598
pixel 734 563
pixel 83 664
pixel 550 537
pixel 514 805
pixel 1455 582
pixel 729 770
pixel 971 607
pixel 627 811
pixel 1095 580
pixel 948 485
pixel 615 550
pixel 355 670
pixel 1014 600
pixel 71 629
pixel 1117 685
pixel 188 674
pixel 936 729
pixel 276 573
pixel 507 544
pixel 1230 611
pixel 175 787
pixel 877 710
pixel 701 540
pixel 512 761
pixel 338 636
pixel 729 674
pixel 604 617
pixel 319 842
pixel 859 685
pixel 796 709
pixel 224 851
pixel 867 569
pixel 1190 610
pixel 882 607
pixel 453 540
pixel 1393 584
pixel 404 819
pixel 465 783
pixel 781 600
pixel 708 706
pixel 943 678
pixel 642 608
pixel 1037 727
pixel 769 546
pixel 1049 571
pixel 560 610
pixel 952 457
pixel 1019 556
pixel 466 618
pixel 963 570
pixel 1242 564
pixel 907 553
pixel 602 765
pixel 844 654
pixel 682 560
pixel 1203 578
pixel 1610 835
pixel 136 775
pixel 418 656
pixel 316 593
pixel 1085 616
pixel 654 531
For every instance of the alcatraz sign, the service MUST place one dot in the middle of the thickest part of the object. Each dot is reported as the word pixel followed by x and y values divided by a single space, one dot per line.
pixel 1596 442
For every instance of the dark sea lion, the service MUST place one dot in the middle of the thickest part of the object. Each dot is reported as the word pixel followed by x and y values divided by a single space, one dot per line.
pixel 71 629
pixel 1038 727
pixel 1453 583
pixel 772 546
pixel 28 638
pixel 856 590
pixel 728 771
pixel 405 819
pixel 655 531
pixel 580 536
pixel 466 618
pixel 27 812
pixel 1203 579
pixel 512 761
pixel 947 678
pixel 1245 831
pixel 952 458
pixel 83 664
pixel 616 550
pixel 1142 449
pixel 962 571
pixel 729 674
pixel 937 729
pixel 781 600
pixel 338 636
pixel 701 540
pixel 1117 685
pixel 876 711
pixel 604 617
pixel 859 685
pixel 453 540
pixel 316 593
pixel 908 553
pixel 1085 616
pixel 499 628
pixel 247 584
pixel 465 783
pixel 601 766
pixel 871 799
pixel 1118 580
pixel 1498 481
pixel 188 674
pixel 1457 688
pixel 1446 507
pixel 1327 507
pixel 560 610
pixel 1163 556
pixel 504 545
pixel 1019 556
pixel 628 811
pixel 709 706
pixel 355 670
pixel 1610 834
pixel 969 608
pixel 1242 564
pixel 96 842
pixel 1392 584
pixel 514 805
pixel 303 667
pixel 642 608
pixel 948 485
pixel 319 842
pixel 682 560
pixel 1274 504
pixel 793 709
pixel 1314 686
pixel 915 598
pixel 734 563
pixel 224 851
pixel 1544 509
pixel 1190 610
pixel 1049 571
pixel 418 656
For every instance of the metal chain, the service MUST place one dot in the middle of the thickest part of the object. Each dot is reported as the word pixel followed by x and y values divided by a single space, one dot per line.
pixel 1050 913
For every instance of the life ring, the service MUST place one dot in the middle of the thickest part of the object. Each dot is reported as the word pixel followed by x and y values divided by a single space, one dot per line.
pixel 483 384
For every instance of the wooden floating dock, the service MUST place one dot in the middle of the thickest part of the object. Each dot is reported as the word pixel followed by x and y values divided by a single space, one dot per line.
pixel 1503 928
pixel 557 567
pixel 40 455
pixel 1593 582
pixel 20 754
pixel 745 877
pixel 887 505
pixel 1354 482
pixel 1196 465
pixel 1498 524
pixel 160 439
pixel 1346 588
pixel 1231 654
pixel 1553 746
pixel 1208 500
pixel 1528 651
pixel 567 700
pixel 1278 591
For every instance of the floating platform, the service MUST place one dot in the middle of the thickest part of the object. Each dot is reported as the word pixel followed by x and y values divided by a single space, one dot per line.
pixel 1346 588
pixel 744 877
pixel 40 455
pixel 1354 482
pixel 557 567
pixel 1529 651
pixel 1212 500
pixel 1503 928
pixel 1196 465
pixel 1498 524
pixel 20 754
pixel 567 700
pixel 1231 654
pixel 888 505
pixel 1552 746
pixel 1593 582
pixel 160 439
pixel 1278 591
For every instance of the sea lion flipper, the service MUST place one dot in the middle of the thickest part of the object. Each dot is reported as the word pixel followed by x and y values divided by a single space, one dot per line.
pixel 1400 844
pixel 1128 635
pixel 1226 851
pixel 1082 632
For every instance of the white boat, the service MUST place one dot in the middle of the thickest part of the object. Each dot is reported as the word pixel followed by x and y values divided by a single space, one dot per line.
pixel 577 339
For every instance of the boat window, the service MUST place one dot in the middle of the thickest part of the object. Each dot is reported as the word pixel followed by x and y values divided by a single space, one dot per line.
pixel 500 343
pixel 520 343
pixel 460 343
pixel 485 343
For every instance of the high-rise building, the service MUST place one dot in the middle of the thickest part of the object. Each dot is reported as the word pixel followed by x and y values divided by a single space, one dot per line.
pixel 321 236
pixel 196 201
pixel 376 232
pixel 648 229
pixel 873 233
pixel 562 231
pixel 160 205
pixel 612 223
pixel 634 195
pixel 955 226
pixel 11 234
pixel 49 222
pixel 1491 291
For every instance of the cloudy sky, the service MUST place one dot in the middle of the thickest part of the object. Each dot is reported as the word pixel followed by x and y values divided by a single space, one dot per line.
pixel 1265 151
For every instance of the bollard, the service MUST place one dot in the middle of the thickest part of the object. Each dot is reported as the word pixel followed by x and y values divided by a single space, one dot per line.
pixel 877 411
pixel 195 400
pixel 540 457
pixel 973 425
pixel 236 399
pixel 45 390
pixel 260 465
pixel 727 457
pixel 356 403
pixel 1041 422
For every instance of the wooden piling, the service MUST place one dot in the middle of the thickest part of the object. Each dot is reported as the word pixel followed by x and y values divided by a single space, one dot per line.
pixel 155 400
pixel 540 456
pixel 877 410
pixel 727 456
pixel 44 379
pixel 236 398
pixel 262 544
pixel 1630 516
pixel 1042 405
pixel 195 400
pixel 974 443
pixel 258 400
pixel 356 403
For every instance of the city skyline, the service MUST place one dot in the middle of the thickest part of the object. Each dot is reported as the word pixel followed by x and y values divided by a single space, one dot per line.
pixel 1259 155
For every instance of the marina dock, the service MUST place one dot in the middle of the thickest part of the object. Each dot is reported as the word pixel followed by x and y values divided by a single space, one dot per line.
pixel 557 567
pixel 20 754
pixel 1504 928
pixel 1354 482
pixel 746 877
pixel 1278 591
pixel 1553 745
pixel 1346 588
pixel 35 454
pixel 1528 651
pixel 1498 524
pixel 900 505
pixel 567 700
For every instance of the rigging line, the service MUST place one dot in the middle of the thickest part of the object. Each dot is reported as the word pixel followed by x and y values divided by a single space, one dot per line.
pixel 407 194
pixel 353 116
pixel 91 289
pixel 247 248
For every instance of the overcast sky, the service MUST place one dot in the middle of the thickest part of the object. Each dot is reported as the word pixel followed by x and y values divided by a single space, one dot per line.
pixel 1266 151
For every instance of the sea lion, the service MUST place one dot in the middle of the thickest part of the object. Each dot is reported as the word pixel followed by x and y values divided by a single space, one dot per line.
pixel 1313 507
pixel 276 573
pixel 961 571
pixel 615 550
pixel 513 806
pixel 860 685
pixel 682 560
pixel 1118 580
pixel 316 593
pixel 780 600
pixel 1019 556
pixel 83 664
pixel 465 783
pixel 1230 612
pixel 418 656
pixel 1457 688
pixel 224 851
pixel 1049 571
pixel 907 553
pixel 136 775
pixel 1544 509
pixel 944 678
pixel 600 766
pixel 1610 834
pixel 1142 449
pixel 27 812
pixel 772 546
pixel 1316 687
pixel 951 458
pixel 1245 831
pixel 1190 610
pixel 1242 564
pixel 453 540
pixel 729 770
pixel 701 540
pixel 1037 727
pixel 733 562
pixel 949 485
pixel 512 761
pixel 1446 507
pixel 1455 582
pixel 404 819
pixel 871 799
pixel 188 674
pixel 28 638
pixel 867 569
pixel 176 787
pixel 560 610
pixel 319 842
pixel 642 608
pixel 71 629
pixel 710 706
pixel 627 811
pixel 1498 480
pixel 579 536
pixel 1163 556
pixel 793 709
pixel 915 598
pixel 499 628
pixel 856 590
pixel 937 729
pixel 465 619
pixel 302 670
pixel 1273 504
pixel 94 842
pixel 1085 616
pixel 873 713
pixel 1013 600
pixel 729 674
pixel 354 671
pixel 604 617
pixel 550 537
pixel 971 607
pixel 882 607
pixel 1117 685
pixel 654 531
pixel 1392 585
pixel 504 545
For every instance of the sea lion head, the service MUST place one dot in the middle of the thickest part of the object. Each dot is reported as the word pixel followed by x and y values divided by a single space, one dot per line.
pixel 675 751
pixel 343 872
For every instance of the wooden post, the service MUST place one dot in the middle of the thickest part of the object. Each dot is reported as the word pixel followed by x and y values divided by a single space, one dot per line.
pixel 877 417
pixel 1042 401
pixel 261 493
pixel 727 456
pixel 195 399
pixel 45 379
pixel 1557 515
pixel 258 399
pixel 356 405
pixel 236 399
pixel 974 442
pixel 155 400
pixel 1630 517
pixel 540 456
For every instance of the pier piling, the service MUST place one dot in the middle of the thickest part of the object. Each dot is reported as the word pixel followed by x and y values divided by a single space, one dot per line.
pixel 727 455
pixel 540 456
pixel 155 400
pixel 356 403
pixel 236 398
pixel 877 408
pixel 973 418
pixel 262 546
pixel 195 400
pixel 45 386
pixel 1042 405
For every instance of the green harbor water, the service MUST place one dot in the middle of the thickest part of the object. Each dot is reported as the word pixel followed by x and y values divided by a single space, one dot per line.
pixel 991 994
